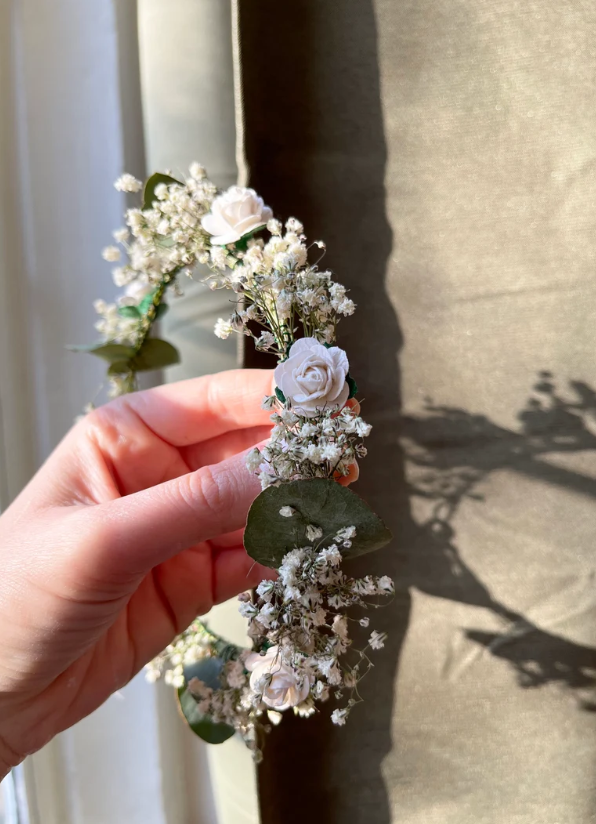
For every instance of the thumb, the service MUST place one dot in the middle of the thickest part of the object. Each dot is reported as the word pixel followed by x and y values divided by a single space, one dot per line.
pixel 142 530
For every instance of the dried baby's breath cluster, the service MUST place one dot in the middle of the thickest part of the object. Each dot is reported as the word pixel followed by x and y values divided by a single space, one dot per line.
pixel 159 241
pixel 303 651
pixel 299 623
pixel 323 447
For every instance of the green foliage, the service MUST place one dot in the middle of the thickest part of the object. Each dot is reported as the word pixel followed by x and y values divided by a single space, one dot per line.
pixel 352 385
pixel 161 310
pixel 146 303
pixel 207 670
pixel 129 312
pixel 155 354
pixel 320 502
pixel 111 352
pixel 151 185
pixel 242 244
pixel 280 395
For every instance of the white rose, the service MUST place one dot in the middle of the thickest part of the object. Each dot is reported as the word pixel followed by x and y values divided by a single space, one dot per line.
pixel 314 377
pixel 283 688
pixel 234 214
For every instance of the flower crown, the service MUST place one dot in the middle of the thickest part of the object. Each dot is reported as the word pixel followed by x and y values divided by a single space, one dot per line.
pixel 304 523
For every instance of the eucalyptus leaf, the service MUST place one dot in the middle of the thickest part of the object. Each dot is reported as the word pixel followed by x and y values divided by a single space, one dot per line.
pixel 320 502
pixel 129 312
pixel 242 244
pixel 202 725
pixel 111 352
pixel 120 368
pixel 207 670
pixel 155 354
pixel 146 303
pixel 280 395
pixel 151 185
pixel 161 310
pixel 353 386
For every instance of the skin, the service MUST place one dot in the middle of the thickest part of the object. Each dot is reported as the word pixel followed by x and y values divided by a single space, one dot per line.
pixel 131 529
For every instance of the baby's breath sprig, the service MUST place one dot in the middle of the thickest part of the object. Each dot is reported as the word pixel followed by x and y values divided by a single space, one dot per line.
pixel 304 523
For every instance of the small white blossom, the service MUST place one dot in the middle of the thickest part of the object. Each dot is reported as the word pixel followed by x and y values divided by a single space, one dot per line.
pixel 128 183
pixel 286 511
pixel 111 254
pixel 313 533
pixel 377 640
pixel 274 226
pixel 223 329
pixel 254 459
pixel 339 717
pixel 121 235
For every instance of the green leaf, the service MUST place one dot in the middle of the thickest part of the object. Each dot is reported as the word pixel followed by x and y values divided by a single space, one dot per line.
pixel 161 310
pixel 207 670
pixel 242 244
pixel 151 185
pixel 155 354
pixel 120 368
pixel 111 352
pixel 320 502
pixel 280 395
pixel 202 725
pixel 352 385
pixel 146 303
pixel 129 312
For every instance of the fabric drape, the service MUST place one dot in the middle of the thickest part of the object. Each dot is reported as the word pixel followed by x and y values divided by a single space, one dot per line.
pixel 446 154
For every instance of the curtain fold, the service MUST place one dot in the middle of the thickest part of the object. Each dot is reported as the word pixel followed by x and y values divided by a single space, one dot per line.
pixel 446 155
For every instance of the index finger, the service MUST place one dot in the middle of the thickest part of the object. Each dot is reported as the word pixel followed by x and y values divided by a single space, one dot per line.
pixel 198 409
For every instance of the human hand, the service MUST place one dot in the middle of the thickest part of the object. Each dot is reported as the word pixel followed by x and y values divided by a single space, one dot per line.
pixel 130 530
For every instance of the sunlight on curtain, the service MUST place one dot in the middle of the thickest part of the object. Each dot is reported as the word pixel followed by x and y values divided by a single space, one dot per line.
pixel 71 123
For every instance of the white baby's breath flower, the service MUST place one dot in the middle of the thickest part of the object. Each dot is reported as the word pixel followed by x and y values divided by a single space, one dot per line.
pixel 386 584
pixel 254 459
pixel 111 254
pixel 286 511
pixel 247 609
pixel 293 225
pixel 234 214
pixel 364 622
pixel 340 627
pixel 274 717
pixel 128 183
pixel 306 709
pixel 339 717
pixel 223 328
pixel 377 639
pixel 137 290
pixel 274 226
pixel 197 171
pixel 121 235
pixel 269 402
pixel 313 533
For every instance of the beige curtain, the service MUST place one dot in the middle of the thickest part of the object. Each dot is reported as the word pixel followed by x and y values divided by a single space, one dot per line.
pixel 446 152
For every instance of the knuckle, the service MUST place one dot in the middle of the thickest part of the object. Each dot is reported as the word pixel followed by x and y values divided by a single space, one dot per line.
pixel 208 490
